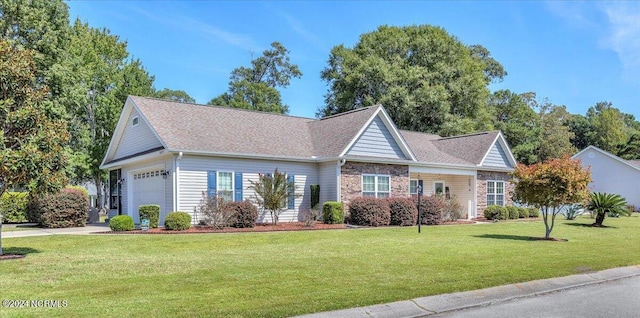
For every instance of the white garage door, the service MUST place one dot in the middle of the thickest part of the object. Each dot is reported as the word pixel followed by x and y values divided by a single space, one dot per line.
pixel 148 188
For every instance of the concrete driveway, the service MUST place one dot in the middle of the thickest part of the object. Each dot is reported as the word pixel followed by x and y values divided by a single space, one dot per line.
pixel 90 228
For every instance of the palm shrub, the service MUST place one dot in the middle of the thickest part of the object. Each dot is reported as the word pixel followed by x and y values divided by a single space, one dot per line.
pixel 177 221
pixel 604 203
pixel 403 211
pixel 571 212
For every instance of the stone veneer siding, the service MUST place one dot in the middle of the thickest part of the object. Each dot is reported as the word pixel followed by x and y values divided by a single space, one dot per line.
pixel 481 183
pixel 351 179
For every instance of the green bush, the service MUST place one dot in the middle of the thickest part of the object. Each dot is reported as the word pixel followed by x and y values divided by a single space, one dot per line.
pixel 78 188
pixel 496 212
pixel 523 212
pixel 369 212
pixel 513 212
pixel 245 214
pixel 67 208
pixel 332 212
pixel 403 211
pixel 432 208
pixel 150 212
pixel 121 223
pixel 177 221
pixel 13 207
pixel 534 212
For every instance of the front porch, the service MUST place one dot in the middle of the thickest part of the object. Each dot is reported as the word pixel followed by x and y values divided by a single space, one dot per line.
pixel 455 184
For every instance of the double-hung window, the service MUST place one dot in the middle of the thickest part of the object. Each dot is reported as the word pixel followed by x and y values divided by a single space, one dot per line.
pixel 378 186
pixel 225 185
pixel 413 187
pixel 495 193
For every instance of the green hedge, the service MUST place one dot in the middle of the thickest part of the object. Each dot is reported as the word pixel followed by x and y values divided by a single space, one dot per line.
pixel 13 207
pixel 534 212
pixel 177 221
pixel 404 211
pixel 496 212
pixel 523 212
pixel 513 212
pixel 121 223
pixel 332 212
pixel 150 212
pixel 369 211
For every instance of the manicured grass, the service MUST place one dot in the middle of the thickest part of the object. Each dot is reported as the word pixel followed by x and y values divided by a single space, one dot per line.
pixel 289 273
pixel 6 228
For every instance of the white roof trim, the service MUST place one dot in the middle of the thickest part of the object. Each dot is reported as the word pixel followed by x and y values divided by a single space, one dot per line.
pixel 392 128
pixel 129 106
pixel 606 153
pixel 505 146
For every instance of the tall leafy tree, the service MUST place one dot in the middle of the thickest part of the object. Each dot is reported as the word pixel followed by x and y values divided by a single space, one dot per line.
pixel 174 95
pixel 556 138
pixel 581 128
pixel 31 144
pixel 256 87
pixel 551 185
pixel 423 76
pixel 514 116
pixel 608 127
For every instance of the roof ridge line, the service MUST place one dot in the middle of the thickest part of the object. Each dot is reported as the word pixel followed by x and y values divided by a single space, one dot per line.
pixel 469 135
pixel 350 112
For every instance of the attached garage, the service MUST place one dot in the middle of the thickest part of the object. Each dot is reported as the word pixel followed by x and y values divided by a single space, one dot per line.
pixel 147 188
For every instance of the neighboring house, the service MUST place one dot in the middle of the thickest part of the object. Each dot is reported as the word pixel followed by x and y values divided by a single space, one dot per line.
pixel 612 174
pixel 171 153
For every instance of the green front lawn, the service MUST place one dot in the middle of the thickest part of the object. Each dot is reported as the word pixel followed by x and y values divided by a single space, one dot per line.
pixel 290 273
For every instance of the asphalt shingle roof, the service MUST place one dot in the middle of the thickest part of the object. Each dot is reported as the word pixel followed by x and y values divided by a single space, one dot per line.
pixel 213 129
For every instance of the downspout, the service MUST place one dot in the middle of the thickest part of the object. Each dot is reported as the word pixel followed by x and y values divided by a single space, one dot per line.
pixel 176 169
pixel 339 178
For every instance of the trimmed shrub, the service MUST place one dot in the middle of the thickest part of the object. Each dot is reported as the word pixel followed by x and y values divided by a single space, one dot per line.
pixel 13 207
pixel 523 212
pixel 403 211
pixel 177 221
pixel 369 212
pixel 496 212
pixel 315 195
pixel 245 214
pixel 332 212
pixel 150 212
pixel 121 223
pixel 534 212
pixel 432 208
pixel 68 208
pixel 513 212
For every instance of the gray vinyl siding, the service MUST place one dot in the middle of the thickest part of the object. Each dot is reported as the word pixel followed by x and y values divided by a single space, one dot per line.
pixel 136 139
pixel 327 179
pixel 376 141
pixel 497 157
pixel 192 181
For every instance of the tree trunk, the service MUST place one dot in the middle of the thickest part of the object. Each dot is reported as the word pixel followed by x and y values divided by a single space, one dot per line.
pixel 599 219
pixel 0 234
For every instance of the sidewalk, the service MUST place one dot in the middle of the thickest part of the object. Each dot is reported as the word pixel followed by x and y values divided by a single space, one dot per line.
pixel 426 306
pixel 90 228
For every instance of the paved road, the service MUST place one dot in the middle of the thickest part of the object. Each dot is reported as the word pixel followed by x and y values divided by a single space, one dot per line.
pixel 615 299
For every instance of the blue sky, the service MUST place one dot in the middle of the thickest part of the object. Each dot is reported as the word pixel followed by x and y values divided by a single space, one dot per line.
pixel 573 53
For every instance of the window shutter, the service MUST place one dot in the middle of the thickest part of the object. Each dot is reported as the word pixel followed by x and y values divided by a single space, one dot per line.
pixel 211 183
pixel 421 185
pixel 238 187
pixel 291 199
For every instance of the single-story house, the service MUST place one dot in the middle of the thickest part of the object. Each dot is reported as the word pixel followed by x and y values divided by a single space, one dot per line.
pixel 612 174
pixel 171 154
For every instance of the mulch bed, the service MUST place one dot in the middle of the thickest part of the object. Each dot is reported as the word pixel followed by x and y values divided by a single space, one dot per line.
pixel 11 256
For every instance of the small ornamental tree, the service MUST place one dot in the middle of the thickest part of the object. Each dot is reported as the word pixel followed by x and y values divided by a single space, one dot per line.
pixel 551 185
pixel 272 192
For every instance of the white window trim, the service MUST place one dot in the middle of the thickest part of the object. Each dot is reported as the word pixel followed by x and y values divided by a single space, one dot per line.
pixel 444 187
pixel 233 186
pixel 375 184
pixel 495 193
pixel 135 121
pixel 417 183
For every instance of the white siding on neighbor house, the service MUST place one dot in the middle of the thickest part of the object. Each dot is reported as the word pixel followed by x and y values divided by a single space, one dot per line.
pixel 376 141
pixel 166 205
pixel 497 157
pixel 136 139
pixel 327 179
pixel 192 181
pixel 612 176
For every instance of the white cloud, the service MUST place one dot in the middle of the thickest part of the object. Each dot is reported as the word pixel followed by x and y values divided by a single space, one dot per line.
pixel 296 25
pixel 624 34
